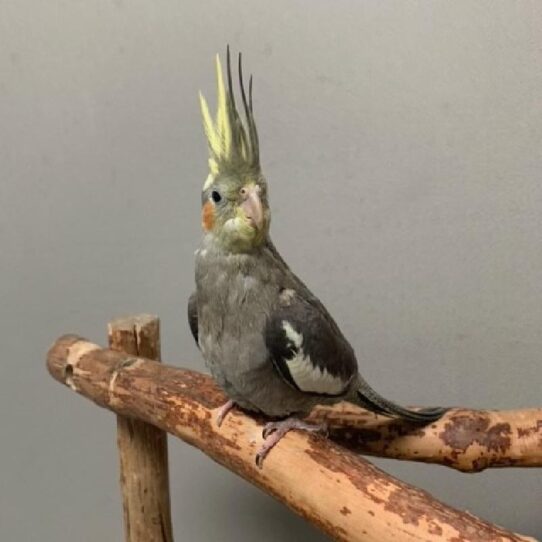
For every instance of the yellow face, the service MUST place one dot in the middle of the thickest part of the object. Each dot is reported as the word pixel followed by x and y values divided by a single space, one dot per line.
pixel 235 211
pixel 234 200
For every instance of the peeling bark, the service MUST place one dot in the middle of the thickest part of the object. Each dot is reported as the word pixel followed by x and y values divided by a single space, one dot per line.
pixel 325 483
pixel 466 440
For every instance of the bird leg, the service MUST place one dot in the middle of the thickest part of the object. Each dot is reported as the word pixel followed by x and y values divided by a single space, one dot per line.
pixel 223 410
pixel 274 431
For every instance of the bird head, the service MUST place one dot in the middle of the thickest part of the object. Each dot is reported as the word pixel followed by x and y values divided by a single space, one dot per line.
pixel 235 210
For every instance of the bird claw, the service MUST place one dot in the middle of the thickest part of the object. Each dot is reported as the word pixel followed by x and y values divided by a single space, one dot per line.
pixel 260 456
pixel 274 431
pixel 223 411
pixel 270 428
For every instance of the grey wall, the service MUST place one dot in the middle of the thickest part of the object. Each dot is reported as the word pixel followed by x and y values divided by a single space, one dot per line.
pixel 402 143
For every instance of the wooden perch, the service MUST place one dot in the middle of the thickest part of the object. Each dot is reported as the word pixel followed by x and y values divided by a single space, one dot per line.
pixel 325 483
pixel 144 476
pixel 466 440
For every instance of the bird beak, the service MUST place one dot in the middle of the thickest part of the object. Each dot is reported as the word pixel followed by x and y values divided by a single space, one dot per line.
pixel 252 206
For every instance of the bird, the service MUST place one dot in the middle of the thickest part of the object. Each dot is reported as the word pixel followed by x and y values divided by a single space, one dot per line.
pixel 267 340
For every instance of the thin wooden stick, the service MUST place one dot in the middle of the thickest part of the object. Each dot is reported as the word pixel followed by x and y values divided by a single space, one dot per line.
pixel 144 478
pixel 330 486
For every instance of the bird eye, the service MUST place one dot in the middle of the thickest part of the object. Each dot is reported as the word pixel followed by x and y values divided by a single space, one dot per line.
pixel 215 196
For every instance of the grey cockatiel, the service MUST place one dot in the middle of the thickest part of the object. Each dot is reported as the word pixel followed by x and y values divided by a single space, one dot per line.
pixel 267 340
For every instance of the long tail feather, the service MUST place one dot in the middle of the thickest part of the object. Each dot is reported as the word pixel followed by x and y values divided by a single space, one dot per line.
pixel 367 398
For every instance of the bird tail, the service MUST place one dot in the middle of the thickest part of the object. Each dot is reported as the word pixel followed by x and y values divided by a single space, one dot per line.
pixel 369 399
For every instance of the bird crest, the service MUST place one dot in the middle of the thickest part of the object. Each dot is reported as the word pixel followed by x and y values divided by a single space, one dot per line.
pixel 232 140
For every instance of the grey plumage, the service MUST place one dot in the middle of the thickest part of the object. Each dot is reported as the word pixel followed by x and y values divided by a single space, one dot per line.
pixel 241 301
pixel 267 340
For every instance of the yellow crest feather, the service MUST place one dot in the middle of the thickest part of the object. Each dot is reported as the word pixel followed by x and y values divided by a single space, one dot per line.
pixel 232 142
pixel 223 126
pixel 208 126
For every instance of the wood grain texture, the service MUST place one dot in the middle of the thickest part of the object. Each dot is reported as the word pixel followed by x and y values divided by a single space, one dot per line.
pixel 144 477
pixel 325 483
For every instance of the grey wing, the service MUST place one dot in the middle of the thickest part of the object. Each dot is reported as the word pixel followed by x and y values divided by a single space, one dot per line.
pixel 308 350
pixel 193 316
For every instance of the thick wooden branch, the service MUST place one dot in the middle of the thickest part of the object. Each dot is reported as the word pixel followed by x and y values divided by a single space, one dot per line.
pixel 332 487
pixel 144 476
pixel 466 440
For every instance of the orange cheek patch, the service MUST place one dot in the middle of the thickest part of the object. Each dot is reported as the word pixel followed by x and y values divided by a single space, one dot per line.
pixel 208 216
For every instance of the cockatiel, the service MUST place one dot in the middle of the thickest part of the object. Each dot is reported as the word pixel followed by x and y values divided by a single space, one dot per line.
pixel 267 340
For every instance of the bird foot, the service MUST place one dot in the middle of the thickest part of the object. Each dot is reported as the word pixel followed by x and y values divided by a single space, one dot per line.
pixel 223 411
pixel 274 431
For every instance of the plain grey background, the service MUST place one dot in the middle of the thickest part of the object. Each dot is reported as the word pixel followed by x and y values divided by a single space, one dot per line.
pixel 402 144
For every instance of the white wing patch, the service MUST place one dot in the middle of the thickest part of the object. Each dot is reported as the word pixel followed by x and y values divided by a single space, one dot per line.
pixel 304 373
pixel 292 334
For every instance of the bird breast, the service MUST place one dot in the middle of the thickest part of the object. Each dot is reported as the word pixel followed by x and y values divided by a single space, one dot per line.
pixel 234 302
